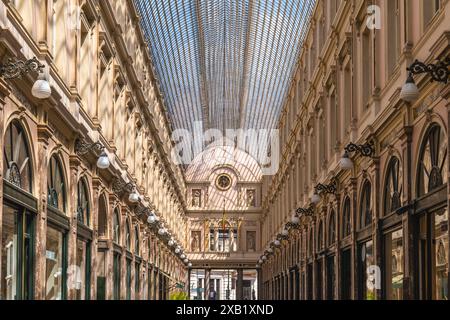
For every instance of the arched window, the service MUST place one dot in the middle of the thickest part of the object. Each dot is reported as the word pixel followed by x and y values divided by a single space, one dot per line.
pixel 432 162
pixel 346 224
pixel 83 206
pixel 332 228
pixel 116 227
pixel 128 235
pixel 320 244
pixel 16 157
pixel 392 187
pixel 56 186
pixel 136 240
pixel 365 209
pixel 102 217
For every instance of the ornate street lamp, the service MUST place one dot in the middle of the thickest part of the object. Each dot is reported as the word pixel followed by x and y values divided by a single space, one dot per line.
pixel 438 72
pixel 323 189
pixel 82 148
pixel 162 231
pixel 14 69
pixel 152 218
pixel 365 150
pixel 119 186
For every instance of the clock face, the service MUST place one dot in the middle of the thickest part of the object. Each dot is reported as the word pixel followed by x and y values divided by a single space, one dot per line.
pixel 223 182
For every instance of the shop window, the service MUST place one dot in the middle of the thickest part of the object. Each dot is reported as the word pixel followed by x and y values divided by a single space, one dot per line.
pixel 137 282
pixel 366 256
pixel 17 241
pixel 81 273
pixel 56 266
pixel 393 268
pixel 128 279
pixel 393 187
pixel 116 276
pixel 56 186
pixel 16 158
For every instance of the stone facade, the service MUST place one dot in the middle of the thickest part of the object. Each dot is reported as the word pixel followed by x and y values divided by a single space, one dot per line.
pixel 103 90
pixel 388 221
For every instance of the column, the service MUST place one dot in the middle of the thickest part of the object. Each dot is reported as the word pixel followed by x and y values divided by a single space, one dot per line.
pixel 239 284
pixel 74 163
pixel 44 133
pixel 207 281
pixel 188 283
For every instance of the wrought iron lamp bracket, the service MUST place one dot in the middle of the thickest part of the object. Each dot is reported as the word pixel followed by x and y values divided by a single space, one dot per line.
pixel 439 71
pixel 307 212
pixel 327 188
pixel 365 150
pixel 14 69
pixel 82 147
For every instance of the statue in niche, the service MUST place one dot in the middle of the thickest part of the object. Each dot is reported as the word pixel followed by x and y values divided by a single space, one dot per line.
pixel 195 241
pixel 251 199
pixel 196 198
pixel 251 241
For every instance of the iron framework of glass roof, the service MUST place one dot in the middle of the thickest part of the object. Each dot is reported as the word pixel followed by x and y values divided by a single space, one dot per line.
pixel 225 63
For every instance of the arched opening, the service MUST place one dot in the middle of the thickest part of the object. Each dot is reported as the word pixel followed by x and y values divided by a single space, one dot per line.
pixel 16 157
pixel 102 217
pixel 432 220
pixel 17 222
pixel 392 187
pixel 365 207
pixel 83 204
pixel 56 186
pixel 346 216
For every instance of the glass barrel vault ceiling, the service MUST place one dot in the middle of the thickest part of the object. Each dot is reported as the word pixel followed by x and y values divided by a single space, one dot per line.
pixel 225 63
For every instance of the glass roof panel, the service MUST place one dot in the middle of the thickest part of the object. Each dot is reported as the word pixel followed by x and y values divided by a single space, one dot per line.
pixel 226 63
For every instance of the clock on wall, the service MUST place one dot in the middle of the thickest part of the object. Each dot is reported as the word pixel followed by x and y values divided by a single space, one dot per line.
pixel 223 182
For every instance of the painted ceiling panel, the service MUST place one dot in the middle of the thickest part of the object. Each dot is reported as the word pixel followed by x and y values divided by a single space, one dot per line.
pixel 225 63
